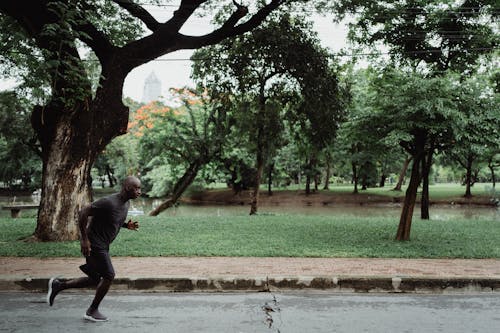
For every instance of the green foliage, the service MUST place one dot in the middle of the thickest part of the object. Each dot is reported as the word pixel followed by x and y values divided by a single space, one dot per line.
pixel 282 90
pixel 178 139
pixel 21 59
pixel 122 155
pixel 477 133
pixel 278 235
pixel 287 166
pixel 409 105
pixel 19 162
pixel 160 177
pixel 116 23
pixel 359 142
pixel 237 165
pixel 39 63
pixel 442 34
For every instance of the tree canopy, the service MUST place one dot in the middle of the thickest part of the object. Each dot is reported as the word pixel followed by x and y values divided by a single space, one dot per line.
pixel 272 79
pixel 73 122
pixel 440 34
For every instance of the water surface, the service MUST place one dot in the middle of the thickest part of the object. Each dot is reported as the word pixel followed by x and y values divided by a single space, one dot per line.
pixel 438 212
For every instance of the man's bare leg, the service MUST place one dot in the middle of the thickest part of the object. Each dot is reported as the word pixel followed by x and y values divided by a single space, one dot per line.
pixel 101 291
pixel 56 286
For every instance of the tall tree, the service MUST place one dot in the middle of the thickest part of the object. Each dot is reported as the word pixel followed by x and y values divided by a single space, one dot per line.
pixel 270 76
pixel 320 113
pixel 439 34
pixel 183 139
pixel 476 137
pixel 74 123
pixel 433 36
pixel 366 148
pixel 416 112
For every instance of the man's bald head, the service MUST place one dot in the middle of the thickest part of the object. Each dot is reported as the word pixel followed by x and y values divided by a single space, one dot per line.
pixel 131 180
pixel 131 187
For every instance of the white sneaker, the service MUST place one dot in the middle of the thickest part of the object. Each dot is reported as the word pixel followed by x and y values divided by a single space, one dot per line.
pixel 95 315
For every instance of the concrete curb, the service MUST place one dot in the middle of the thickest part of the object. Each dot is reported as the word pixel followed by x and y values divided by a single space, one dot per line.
pixel 343 284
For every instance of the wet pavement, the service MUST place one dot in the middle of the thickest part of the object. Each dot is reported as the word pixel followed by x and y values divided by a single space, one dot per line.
pixel 254 312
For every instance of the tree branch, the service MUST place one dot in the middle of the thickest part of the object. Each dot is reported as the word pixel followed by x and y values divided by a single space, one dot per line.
pixel 140 13
pixel 166 40
pixel 181 15
pixel 95 39
pixel 240 12
pixel 229 28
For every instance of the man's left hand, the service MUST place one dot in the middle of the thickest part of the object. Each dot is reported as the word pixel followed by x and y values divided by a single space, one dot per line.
pixel 132 225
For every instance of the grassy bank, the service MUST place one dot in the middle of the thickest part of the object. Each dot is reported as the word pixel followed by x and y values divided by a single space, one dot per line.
pixel 440 190
pixel 441 194
pixel 278 235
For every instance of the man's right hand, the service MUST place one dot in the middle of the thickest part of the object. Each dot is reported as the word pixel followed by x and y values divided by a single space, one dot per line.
pixel 85 247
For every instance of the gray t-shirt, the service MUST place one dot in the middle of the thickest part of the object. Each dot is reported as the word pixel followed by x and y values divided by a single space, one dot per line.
pixel 108 215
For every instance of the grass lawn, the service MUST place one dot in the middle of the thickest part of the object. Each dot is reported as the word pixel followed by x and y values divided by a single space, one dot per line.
pixel 278 235
pixel 436 191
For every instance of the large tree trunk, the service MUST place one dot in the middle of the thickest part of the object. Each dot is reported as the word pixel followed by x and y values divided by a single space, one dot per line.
pixel 424 200
pixel 402 174
pixel 64 190
pixel 180 187
pixel 409 203
pixel 70 138
pixel 67 155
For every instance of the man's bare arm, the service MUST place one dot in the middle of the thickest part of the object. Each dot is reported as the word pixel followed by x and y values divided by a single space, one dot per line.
pixel 83 222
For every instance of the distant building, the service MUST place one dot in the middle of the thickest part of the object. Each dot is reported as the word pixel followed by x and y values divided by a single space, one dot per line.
pixel 152 89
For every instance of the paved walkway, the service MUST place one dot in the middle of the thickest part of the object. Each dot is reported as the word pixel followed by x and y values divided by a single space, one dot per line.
pixel 191 270
pixel 147 267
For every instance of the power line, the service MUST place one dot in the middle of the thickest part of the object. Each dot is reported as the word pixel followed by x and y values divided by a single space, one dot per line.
pixel 337 54
pixel 307 8
pixel 177 5
pixel 344 55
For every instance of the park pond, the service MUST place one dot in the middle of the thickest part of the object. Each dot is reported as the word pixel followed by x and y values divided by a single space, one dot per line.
pixel 143 206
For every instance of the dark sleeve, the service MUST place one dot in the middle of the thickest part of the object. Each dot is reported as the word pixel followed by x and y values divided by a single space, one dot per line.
pixel 100 206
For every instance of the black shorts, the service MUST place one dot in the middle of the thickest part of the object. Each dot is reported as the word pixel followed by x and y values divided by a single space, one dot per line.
pixel 98 265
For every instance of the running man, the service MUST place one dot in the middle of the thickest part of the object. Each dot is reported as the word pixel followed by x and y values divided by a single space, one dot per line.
pixel 99 224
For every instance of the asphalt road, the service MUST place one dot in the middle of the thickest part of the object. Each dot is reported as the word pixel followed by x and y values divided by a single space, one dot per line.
pixel 255 312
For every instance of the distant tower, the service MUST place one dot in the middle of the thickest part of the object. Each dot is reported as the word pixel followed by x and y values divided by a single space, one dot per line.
pixel 152 89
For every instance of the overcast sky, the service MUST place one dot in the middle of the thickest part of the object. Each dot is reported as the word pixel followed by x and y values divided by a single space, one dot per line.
pixel 174 71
